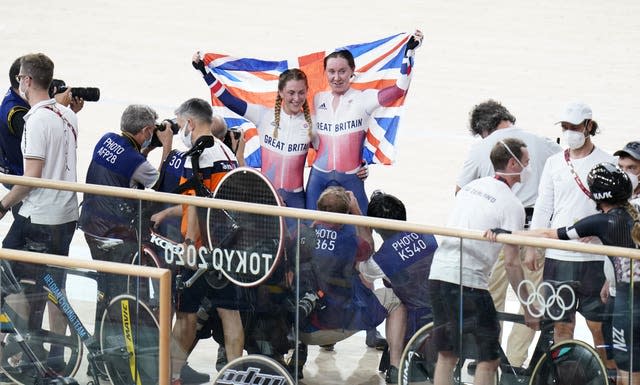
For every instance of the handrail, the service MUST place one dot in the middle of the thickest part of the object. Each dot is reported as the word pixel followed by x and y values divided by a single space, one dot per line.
pixel 162 275
pixel 316 215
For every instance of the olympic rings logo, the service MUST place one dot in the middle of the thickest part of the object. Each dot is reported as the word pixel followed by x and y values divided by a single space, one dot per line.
pixel 545 299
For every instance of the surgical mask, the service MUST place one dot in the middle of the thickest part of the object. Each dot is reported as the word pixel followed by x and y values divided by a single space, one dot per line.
pixel 634 180
pixel 526 172
pixel 147 142
pixel 23 93
pixel 573 139
pixel 186 136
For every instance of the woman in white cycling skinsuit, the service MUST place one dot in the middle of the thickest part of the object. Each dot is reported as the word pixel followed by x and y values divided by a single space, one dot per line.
pixel 285 131
pixel 341 117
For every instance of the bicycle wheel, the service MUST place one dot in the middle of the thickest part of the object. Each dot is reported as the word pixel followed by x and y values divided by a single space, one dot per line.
pixel 145 289
pixel 129 338
pixel 570 362
pixel 418 360
pixel 14 360
pixel 253 369
pixel 246 247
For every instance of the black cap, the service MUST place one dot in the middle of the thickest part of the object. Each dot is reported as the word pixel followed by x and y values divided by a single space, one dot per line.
pixel 632 149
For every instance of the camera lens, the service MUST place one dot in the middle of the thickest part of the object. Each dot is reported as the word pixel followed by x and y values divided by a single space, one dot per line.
pixel 89 94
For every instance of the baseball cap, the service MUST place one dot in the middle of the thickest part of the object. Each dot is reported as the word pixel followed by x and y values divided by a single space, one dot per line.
pixel 631 149
pixel 575 113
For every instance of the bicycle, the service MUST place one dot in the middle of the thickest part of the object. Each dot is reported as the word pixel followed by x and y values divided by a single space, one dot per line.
pixel 566 362
pixel 25 356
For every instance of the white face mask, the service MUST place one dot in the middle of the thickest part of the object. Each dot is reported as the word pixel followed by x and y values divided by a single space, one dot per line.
pixel 186 136
pixel 634 180
pixel 526 172
pixel 573 139
pixel 23 93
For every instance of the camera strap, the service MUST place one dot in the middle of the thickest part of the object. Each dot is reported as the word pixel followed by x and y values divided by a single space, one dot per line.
pixel 73 129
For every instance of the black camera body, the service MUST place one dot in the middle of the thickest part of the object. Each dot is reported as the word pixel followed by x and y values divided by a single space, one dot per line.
pixel 233 135
pixel 89 94
pixel 155 141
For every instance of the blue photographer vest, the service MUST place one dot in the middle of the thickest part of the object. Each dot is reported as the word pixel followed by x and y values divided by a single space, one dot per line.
pixel 405 259
pixel 349 304
pixel 115 159
pixel 172 170
pixel 10 150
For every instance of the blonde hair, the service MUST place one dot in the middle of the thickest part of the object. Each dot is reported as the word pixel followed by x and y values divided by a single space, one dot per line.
pixel 291 74
pixel 334 199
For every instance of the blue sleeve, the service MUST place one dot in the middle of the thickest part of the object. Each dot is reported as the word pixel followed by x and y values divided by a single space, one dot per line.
pixel 218 90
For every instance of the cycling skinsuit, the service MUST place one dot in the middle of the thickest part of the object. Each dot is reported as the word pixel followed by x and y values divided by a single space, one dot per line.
pixel 339 135
pixel 282 157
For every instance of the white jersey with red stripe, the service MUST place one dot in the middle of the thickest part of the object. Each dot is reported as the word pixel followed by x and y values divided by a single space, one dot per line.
pixel 339 134
pixel 283 156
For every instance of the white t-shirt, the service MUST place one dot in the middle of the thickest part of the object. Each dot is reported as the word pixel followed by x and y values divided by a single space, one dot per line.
pixel 479 165
pixel 483 204
pixel 561 202
pixel 49 138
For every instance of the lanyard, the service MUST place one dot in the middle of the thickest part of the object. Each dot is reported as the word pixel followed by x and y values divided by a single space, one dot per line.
pixel 73 129
pixel 575 175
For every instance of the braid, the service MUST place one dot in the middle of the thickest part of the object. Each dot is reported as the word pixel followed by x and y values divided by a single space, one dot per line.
pixel 307 117
pixel 276 113
pixel 635 230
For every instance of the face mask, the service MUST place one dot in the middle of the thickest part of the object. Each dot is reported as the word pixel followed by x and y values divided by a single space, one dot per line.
pixel 147 142
pixel 186 136
pixel 525 174
pixel 634 180
pixel 573 139
pixel 23 93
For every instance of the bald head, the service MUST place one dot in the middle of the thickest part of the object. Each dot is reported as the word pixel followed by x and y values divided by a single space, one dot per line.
pixel 218 127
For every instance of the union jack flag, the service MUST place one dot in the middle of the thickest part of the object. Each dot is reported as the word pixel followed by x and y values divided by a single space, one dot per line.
pixel 256 81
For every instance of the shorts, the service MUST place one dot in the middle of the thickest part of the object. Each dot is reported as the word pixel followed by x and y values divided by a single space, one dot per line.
pixel 480 329
pixel 47 239
pixel 326 337
pixel 188 299
pixel 387 298
pixel 622 327
pixel 591 277
pixel 320 180
pixel 292 199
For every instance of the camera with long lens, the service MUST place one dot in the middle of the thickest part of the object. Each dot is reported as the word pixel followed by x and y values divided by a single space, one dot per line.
pixel 307 304
pixel 155 141
pixel 88 94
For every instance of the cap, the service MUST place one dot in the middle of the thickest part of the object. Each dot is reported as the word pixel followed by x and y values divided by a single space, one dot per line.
pixel 631 149
pixel 575 113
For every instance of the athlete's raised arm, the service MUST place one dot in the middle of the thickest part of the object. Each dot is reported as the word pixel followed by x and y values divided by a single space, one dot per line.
pixel 387 96
pixel 250 111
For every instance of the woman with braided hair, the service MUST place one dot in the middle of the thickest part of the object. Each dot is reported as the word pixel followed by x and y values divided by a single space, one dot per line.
pixel 617 224
pixel 285 131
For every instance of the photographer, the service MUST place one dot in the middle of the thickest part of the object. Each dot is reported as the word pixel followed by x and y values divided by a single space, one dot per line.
pixel 75 97
pixel 120 160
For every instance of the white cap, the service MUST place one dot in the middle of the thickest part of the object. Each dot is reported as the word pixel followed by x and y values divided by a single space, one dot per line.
pixel 575 113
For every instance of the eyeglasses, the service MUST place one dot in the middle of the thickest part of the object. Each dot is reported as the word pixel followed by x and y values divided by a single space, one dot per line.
pixel 20 77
